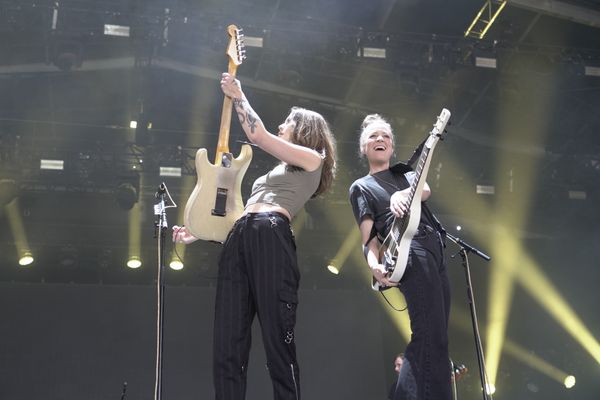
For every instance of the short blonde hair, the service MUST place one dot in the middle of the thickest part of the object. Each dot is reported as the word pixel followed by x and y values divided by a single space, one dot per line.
pixel 373 123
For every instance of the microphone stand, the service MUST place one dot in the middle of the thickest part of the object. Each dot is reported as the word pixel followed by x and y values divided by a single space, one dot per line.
pixel 464 249
pixel 160 228
pixel 454 392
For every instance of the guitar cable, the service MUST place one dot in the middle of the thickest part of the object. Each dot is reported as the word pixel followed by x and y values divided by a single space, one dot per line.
pixel 390 304
pixel 211 278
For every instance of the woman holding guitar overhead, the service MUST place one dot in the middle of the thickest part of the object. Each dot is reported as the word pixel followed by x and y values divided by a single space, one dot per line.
pixel 258 271
pixel 377 200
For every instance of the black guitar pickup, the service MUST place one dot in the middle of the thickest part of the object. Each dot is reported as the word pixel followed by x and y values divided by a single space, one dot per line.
pixel 220 203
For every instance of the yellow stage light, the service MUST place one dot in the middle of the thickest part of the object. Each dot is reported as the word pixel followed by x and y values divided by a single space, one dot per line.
pixel 569 381
pixel 333 269
pixel 134 262
pixel 26 259
pixel 176 265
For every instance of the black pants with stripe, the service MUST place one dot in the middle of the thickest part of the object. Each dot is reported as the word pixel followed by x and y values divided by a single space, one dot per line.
pixel 258 275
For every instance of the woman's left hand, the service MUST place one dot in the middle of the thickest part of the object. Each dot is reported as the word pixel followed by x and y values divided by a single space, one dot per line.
pixel 181 234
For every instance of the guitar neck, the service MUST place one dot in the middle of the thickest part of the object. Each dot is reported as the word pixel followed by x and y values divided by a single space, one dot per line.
pixel 418 174
pixel 223 143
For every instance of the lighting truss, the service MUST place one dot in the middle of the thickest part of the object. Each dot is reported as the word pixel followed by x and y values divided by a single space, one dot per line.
pixel 485 18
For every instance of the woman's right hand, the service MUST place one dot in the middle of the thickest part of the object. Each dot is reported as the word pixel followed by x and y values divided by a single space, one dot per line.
pixel 381 276
pixel 181 234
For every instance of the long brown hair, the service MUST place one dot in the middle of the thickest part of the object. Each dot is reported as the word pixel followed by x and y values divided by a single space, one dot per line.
pixel 312 131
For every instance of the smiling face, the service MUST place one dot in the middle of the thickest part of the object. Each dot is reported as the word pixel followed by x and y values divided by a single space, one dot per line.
pixel 378 146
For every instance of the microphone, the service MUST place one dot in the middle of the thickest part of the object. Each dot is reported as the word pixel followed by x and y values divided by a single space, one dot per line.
pixel 162 189
pixel 123 393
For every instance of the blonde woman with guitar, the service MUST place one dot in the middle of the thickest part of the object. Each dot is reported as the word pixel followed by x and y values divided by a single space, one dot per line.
pixel 258 271
pixel 386 204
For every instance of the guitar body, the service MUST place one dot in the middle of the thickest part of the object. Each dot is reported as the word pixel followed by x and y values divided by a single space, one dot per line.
pixel 216 184
pixel 395 249
pixel 398 261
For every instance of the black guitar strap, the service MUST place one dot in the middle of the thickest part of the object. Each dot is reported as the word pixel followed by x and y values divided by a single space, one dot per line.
pixel 425 209
pixel 416 154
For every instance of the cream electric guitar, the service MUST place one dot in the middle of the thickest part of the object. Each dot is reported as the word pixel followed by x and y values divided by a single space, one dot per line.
pixel 395 248
pixel 216 201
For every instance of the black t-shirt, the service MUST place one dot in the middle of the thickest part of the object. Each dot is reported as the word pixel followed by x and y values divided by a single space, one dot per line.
pixel 370 196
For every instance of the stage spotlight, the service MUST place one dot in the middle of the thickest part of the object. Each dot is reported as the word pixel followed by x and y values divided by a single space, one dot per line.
pixel 54 165
pixel 253 41
pixel 333 269
pixel 117 30
pixel 67 55
pixel 170 171
pixel 372 52
pixel 176 265
pixel 291 77
pixel 69 256
pixel 490 388
pixel 486 62
pixel 134 262
pixel 142 127
pixel 26 258
pixel 8 191
pixel 126 195
pixel 485 189
pixel 569 381
pixel 592 71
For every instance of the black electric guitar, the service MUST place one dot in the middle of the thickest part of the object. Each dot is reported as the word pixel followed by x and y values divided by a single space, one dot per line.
pixel 216 201
pixel 395 248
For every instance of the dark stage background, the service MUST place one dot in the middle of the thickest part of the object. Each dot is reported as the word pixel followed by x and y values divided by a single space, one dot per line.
pixel 74 341
pixel 519 172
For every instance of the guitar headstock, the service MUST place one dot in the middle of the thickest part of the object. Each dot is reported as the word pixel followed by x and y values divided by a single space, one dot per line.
pixel 440 124
pixel 235 49
pixel 438 128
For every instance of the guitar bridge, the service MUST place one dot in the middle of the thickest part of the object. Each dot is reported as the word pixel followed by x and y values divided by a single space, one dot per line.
pixel 220 203
pixel 389 261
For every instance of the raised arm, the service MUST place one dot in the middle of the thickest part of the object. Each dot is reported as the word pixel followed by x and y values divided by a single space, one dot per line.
pixel 290 153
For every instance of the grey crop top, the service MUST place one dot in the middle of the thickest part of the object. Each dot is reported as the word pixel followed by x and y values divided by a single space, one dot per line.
pixel 286 189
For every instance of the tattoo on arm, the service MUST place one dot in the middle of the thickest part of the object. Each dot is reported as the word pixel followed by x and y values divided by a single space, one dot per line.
pixel 246 114
pixel 239 109
pixel 251 118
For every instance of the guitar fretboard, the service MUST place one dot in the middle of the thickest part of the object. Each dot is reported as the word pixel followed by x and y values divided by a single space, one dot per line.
pixel 399 224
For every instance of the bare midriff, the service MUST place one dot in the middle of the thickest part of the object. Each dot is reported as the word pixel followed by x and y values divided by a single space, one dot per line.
pixel 265 207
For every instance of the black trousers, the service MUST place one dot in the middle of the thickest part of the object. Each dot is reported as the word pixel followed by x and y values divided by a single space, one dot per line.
pixel 258 275
pixel 425 372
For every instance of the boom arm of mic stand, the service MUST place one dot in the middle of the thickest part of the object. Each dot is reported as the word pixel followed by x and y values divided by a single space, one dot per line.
pixel 468 247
